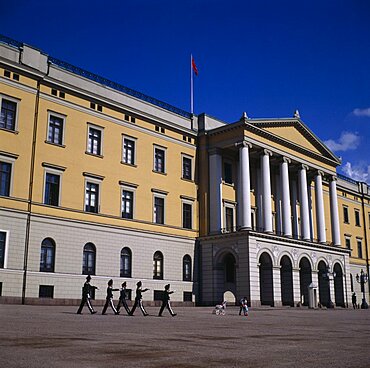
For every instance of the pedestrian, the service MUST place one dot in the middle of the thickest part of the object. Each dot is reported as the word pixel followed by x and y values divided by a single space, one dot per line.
pixel 86 296
pixel 243 302
pixel 166 301
pixel 122 299
pixel 109 298
pixel 139 300
pixel 354 300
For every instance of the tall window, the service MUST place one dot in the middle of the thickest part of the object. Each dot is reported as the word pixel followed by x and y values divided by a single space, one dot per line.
pixel 55 131
pixel 52 185
pixel 228 173
pixel 127 204
pixel 2 248
pixel 159 210
pixel 128 151
pixel 186 168
pixel 348 243
pixel 88 261
pixel 345 215
pixel 92 197
pixel 5 174
pixel 359 248
pixel 47 255
pixel 158 266
pixel 357 218
pixel 186 268
pixel 187 210
pixel 229 218
pixel 159 160
pixel 8 114
pixel 94 142
pixel 125 269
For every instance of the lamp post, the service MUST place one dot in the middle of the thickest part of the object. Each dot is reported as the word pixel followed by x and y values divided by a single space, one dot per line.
pixel 362 280
pixel 327 274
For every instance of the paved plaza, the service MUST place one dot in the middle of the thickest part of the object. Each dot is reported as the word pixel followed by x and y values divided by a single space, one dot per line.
pixel 44 336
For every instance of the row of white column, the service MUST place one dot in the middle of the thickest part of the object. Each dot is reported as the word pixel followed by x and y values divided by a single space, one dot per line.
pixel 244 201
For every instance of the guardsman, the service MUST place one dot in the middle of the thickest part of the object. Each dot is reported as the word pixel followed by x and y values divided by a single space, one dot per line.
pixel 86 296
pixel 139 300
pixel 166 301
pixel 122 299
pixel 109 298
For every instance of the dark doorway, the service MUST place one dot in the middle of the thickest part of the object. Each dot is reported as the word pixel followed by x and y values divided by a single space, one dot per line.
pixel 324 290
pixel 305 278
pixel 286 277
pixel 229 266
pixel 338 286
pixel 266 281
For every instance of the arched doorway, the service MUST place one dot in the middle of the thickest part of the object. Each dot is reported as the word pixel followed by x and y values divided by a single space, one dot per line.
pixel 338 286
pixel 286 278
pixel 324 291
pixel 266 280
pixel 305 278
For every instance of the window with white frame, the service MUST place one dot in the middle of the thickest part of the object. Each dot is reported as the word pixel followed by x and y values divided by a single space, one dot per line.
pixel 129 151
pixel 187 167
pixel 158 208
pixel 127 203
pixel 187 214
pixel 359 248
pixel 3 236
pixel 159 159
pixel 229 217
pixel 228 172
pixel 95 140
pixel 348 242
pixel 7 161
pixel 9 113
pixel 47 255
pixel 92 196
pixel 52 188
pixel 357 218
pixel 345 215
pixel 56 126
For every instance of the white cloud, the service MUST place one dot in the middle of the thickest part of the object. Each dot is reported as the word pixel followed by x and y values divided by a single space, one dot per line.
pixel 359 172
pixel 347 141
pixel 361 112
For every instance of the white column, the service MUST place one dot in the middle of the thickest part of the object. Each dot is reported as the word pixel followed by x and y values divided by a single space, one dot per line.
pixel 285 196
pixel 296 286
pixel 295 227
pixel 320 214
pixel 266 191
pixel 335 230
pixel 305 216
pixel 315 281
pixel 245 221
pixel 276 280
pixel 215 191
pixel 332 290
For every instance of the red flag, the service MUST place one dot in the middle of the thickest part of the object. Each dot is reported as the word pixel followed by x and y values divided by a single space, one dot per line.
pixel 194 66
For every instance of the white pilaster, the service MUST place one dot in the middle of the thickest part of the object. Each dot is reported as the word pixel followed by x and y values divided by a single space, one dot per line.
pixel 266 191
pixel 285 196
pixel 296 286
pixel 276 279
pixel 245 219
pixel 320 214
pixel 215 191
pixel 334 211
pixel 305 216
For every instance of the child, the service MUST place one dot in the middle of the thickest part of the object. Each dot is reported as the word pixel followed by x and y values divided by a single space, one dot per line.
pixel 109 299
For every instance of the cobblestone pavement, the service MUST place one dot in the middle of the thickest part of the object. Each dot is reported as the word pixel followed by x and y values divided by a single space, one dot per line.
pixel 44 336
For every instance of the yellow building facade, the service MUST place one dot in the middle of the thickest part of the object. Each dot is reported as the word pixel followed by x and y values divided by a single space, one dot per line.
pixel 99 179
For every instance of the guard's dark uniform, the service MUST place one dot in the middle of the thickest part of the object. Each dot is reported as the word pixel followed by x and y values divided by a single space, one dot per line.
pixel 86 295
pixel 138 300
pixel 166 301
pixel 109 298
pixel 122 299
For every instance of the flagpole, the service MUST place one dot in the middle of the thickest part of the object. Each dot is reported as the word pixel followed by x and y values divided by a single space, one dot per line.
pixel 191 86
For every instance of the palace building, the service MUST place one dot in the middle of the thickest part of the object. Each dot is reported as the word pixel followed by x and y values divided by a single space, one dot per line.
pixel 99 179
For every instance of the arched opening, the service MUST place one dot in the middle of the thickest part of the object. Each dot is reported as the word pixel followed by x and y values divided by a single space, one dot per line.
pixel 158 265
pixel 305 278
pixel 89 259
pixel 186 268
pixel 47 255
pixel 126 262
pixel 324 287
pixel 338 286
pixel 266 280
pixel 286 277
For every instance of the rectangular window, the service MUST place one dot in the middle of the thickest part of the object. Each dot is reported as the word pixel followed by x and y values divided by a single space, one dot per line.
pixel 127 204
pixel 128 151
pixel 5 176
pixel 186 168
pixel 357 218
pixel 345 215
pixel 158 295
pixel 52 185
pixel 359 248
pixel 159 160
pixel 348 243
pixel 92 197
pixel 229 218
pixel 2 248
pixel 55 130
pixel 188 296
pixel 8 114
pixel 94 141
pixel 159 210
pixel 187 210
pixel 228 173
pixel 46 291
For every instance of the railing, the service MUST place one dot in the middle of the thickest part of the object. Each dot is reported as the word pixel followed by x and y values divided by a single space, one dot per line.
pixel 10 41
pixel 346 178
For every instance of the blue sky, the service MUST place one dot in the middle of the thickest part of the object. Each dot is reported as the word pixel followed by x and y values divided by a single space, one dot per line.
pixel 267 58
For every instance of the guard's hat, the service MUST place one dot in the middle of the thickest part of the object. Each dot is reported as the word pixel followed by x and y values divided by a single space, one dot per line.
pixel 88 277
pixel 167 286
pixel 138 283
pixel 124 283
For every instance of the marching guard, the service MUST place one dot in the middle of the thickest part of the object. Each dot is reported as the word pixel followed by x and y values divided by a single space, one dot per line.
pixel 109 298
pixel 122 299
pixel 166 301
pixel 138 300
pixel 86 296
